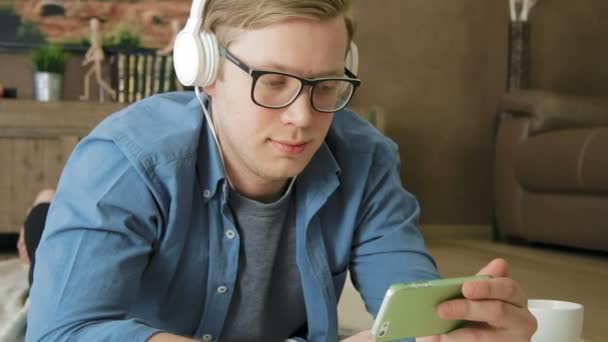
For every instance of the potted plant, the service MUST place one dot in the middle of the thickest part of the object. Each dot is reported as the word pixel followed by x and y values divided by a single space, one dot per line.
pixel 123 38
pixel 49 64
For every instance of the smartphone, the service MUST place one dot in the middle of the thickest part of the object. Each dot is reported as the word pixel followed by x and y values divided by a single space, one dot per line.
pixel 410 310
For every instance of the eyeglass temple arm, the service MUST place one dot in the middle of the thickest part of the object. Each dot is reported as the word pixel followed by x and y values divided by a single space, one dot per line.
pixel 234 60
pixel 349 73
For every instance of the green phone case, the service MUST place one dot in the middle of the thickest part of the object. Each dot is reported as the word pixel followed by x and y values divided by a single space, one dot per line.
pixel 410 310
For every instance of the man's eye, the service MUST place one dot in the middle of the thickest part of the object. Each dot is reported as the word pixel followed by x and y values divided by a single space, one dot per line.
pixel 274 81
pixel 327 87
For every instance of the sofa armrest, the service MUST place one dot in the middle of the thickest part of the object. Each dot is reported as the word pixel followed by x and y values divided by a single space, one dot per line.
pixel 549 111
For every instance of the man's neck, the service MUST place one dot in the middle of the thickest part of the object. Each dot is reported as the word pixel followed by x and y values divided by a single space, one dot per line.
pixel 260 190
pixel 265 193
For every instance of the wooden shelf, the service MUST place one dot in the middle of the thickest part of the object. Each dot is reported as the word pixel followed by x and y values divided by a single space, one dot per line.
pixel 29 118
pixel 36 138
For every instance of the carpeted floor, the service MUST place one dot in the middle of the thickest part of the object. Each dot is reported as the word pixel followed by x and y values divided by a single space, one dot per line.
pixel 543 272
pixel 4 256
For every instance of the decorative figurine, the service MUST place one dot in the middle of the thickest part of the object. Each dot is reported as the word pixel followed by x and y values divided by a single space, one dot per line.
pixel 96 56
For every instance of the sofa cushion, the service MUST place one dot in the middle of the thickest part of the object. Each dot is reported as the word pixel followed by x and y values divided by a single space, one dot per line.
pixel 573 161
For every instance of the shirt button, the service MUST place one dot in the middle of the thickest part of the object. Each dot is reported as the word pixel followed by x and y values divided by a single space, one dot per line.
pixel 222 289
pixel 206 193
pixel 207 337
pixel 230 234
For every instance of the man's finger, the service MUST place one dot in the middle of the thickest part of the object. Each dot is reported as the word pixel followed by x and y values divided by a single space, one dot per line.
pixel 505 289
pixel 363 336
pixel 496 313
pixel 496 268
pixel 475 334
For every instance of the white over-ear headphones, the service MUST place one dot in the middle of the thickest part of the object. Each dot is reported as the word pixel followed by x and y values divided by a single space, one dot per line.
pixel 196 55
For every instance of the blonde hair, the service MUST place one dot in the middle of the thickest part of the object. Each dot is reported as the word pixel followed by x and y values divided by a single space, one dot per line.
pixel 226 17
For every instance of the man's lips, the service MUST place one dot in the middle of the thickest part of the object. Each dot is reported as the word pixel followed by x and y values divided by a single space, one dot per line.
pixel 289 147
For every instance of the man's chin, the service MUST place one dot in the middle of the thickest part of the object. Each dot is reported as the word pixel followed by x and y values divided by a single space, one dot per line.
pixel 287 171
pixel 286 174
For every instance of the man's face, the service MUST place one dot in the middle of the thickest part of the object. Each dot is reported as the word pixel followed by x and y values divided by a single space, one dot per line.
pixel 262 145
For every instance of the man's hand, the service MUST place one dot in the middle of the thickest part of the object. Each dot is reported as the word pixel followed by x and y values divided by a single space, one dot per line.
pixel 23 256
pixel 498 306
pixel 364 336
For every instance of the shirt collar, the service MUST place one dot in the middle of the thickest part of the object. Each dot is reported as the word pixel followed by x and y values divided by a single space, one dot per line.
pixel 321 172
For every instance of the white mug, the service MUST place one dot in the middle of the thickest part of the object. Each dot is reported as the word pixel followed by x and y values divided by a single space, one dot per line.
pixel 558 321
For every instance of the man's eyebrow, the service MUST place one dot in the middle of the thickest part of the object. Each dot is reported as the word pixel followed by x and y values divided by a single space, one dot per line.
pixel 282 68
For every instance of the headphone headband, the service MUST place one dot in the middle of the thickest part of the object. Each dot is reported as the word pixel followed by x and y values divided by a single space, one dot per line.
pixel 196 56
pixel 196 15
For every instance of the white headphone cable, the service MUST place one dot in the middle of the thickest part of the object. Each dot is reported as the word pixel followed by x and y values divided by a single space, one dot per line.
pixel 211 125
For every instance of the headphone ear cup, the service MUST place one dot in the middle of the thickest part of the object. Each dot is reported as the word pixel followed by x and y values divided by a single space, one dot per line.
pixel 187 51
pixel 352 58
pixel 210 59
pixel 196 58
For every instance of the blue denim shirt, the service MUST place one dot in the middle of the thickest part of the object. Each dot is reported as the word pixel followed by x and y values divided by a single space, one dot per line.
pixel 140 238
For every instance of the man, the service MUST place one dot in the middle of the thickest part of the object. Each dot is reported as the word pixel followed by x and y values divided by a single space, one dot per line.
pixel 158 234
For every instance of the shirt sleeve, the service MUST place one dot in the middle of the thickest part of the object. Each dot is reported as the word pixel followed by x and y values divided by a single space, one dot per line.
pixel 387 247
pixel 102 226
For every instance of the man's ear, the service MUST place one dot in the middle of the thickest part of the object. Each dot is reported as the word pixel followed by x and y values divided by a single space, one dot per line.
pixel 210 90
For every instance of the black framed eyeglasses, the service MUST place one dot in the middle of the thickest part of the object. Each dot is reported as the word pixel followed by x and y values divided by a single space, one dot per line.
pixel 271 89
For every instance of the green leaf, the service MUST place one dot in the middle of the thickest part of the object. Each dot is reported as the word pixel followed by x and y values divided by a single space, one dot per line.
pixel 49 58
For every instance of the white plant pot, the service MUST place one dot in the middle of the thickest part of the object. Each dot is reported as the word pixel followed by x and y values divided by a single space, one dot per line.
pixel 47 86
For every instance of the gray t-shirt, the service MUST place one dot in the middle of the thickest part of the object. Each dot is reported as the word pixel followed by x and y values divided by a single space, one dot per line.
pixel 268 302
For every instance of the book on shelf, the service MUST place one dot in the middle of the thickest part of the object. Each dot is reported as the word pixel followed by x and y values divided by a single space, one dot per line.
pixel 168 73
pixel 149 76
pixel 158 69
pixel 140 74
pixel 121 77
pixel 139 84
pixel 131 89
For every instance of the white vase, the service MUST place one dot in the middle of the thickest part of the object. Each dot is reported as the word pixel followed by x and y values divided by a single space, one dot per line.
pixel 47 86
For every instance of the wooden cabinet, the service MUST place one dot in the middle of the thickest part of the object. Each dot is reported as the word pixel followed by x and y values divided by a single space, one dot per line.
pixel 35 141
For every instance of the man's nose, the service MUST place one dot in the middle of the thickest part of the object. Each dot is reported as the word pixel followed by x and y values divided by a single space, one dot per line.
pixel 300 112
